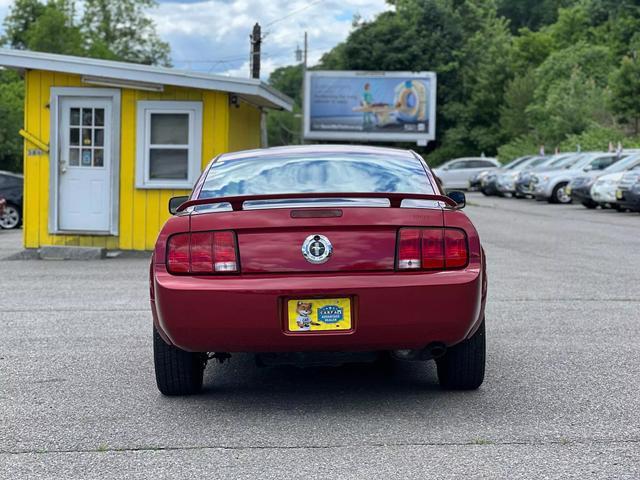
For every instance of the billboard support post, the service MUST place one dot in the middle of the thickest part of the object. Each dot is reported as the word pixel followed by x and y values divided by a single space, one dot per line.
pixel 370 106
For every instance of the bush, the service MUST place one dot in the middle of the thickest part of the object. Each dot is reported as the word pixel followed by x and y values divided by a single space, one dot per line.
pixel 523 145
pixel 597 139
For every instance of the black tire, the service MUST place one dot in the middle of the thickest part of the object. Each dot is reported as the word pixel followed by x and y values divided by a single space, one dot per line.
pixel 462 367
pixel 590 204
pixel 557 197
pixel 178 372
pixel 485 192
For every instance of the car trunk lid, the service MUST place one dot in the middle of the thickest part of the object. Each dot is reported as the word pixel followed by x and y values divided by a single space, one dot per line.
pixel 361 238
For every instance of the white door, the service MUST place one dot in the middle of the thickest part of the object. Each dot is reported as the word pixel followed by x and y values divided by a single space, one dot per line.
pixel 85 164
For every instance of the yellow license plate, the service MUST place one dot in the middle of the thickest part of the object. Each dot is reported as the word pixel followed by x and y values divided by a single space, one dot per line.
pixel 619 195
pixel 319 314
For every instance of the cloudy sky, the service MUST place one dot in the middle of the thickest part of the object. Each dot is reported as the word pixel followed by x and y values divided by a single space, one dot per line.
pixel 213 36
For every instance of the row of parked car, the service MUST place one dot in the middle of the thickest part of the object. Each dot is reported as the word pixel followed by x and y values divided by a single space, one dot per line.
pixel 11 187
pixel 606 179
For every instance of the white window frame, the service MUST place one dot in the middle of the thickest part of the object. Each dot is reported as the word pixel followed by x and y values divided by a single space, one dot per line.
pixel 145 109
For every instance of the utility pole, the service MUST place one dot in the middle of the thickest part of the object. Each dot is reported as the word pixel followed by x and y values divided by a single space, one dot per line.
pixel 254 59
pixel 304 74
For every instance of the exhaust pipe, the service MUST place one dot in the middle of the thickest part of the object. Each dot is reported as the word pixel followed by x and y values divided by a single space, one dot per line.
pixel 432 351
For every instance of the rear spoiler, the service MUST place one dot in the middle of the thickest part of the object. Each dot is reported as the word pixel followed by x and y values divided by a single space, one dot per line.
pixel 395 199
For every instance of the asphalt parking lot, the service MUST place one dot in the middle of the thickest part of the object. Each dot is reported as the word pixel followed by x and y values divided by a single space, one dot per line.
pixel 78 396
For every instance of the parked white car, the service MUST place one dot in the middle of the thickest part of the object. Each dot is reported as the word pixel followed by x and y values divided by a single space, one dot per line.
pixel 604 188
pixel 459 172
pixel 551 185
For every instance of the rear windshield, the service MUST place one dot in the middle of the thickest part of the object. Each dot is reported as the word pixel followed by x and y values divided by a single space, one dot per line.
pixel 355 173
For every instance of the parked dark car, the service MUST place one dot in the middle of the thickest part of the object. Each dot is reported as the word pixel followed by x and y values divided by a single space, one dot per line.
pixel 628 190
pixel 488 182
pixel 524 187
pixel 632 197
pixel 11 189
pixel 580 188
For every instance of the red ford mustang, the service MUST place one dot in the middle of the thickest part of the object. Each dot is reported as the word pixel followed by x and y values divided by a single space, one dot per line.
pixel 317 252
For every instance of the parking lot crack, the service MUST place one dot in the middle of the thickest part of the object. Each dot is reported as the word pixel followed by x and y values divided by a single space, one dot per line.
pixel 470 443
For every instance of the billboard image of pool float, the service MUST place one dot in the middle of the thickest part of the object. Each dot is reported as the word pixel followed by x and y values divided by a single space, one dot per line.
pixel 409 105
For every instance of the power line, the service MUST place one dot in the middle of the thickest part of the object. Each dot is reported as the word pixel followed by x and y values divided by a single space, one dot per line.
pixel 295 12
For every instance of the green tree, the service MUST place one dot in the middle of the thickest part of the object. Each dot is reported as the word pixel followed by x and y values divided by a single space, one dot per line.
pixel 518 96
pixel 484 72
pixel 54 30
pixel 11 101
pixel 531 14
pixel 122 28
pixel 625 93
pixel 21 16
pixel 289 81
pixel 284 128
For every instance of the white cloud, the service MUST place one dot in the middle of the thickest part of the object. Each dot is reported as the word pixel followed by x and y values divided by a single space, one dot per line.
pixel 213 36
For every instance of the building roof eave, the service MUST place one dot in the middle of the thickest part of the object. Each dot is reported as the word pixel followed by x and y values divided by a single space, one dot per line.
pixel 253 90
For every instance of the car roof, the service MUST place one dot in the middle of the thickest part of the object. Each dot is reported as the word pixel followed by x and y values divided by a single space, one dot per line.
pixel 299 150
pixel 11 174
pixel 491 159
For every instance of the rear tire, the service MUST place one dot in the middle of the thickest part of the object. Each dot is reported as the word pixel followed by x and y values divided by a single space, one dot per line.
pixel 462 367
pixel 178 372
pixel 590 204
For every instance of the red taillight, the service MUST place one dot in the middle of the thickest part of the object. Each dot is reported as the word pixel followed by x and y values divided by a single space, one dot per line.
pixel 224 252
pixel 432 249
pixel 455 247
pixel 178 253
pixel 202 252
pixel 409 256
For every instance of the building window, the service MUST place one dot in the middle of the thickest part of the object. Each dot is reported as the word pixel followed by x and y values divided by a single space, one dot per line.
pixel 169 139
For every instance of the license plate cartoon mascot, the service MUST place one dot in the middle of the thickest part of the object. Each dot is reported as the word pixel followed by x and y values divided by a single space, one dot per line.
pixel 303 320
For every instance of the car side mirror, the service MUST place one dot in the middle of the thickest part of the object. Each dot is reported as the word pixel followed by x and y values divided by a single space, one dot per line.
pixel 458 197
pixel 175 202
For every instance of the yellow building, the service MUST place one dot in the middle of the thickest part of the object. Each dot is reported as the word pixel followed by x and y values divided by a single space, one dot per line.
pixel 108 143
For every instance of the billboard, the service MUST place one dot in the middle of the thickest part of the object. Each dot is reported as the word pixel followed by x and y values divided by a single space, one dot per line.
pixel 370 106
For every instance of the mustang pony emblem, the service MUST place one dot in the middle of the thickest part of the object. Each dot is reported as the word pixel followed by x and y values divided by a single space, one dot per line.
pixel 317 249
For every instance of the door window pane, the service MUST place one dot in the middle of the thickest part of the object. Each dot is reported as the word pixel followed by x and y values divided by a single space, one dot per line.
pixel 169 128
pixel 98 137
pixel 86 157
pixel 74 136
pixel 98 157
pixel 98 117
pixel 74 157
pixel 86 117
pixel 86 137
pixel 168 164
pixel 75 116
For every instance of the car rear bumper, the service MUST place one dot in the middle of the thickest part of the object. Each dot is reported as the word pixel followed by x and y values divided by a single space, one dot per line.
pixel 631 200
pixel 604 194
pixel 247 314
pixel 541 192
pixel 581 194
